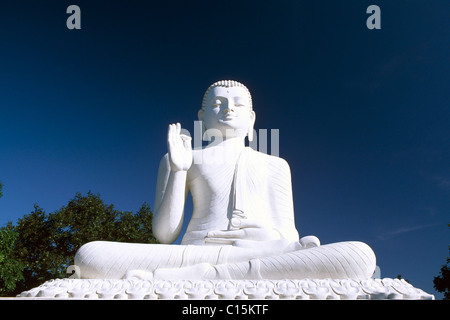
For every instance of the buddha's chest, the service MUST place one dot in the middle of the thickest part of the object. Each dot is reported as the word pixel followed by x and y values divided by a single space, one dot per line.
pixel 211 181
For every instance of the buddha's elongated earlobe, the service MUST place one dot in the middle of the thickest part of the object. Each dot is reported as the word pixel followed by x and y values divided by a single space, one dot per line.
pixel 200 115
pixel 250 134
pixel 252 124
pixel 203 130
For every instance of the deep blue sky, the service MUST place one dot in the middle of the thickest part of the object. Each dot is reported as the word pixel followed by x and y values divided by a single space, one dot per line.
pixel 363 114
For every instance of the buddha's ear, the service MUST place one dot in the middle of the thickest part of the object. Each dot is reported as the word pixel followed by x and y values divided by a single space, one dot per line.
pixel 201 114
pixel 252 124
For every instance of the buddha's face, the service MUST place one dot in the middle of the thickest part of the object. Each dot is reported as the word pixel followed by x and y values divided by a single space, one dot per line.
pixel 228 110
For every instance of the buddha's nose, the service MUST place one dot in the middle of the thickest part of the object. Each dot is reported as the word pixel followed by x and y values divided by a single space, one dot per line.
pixel 230 108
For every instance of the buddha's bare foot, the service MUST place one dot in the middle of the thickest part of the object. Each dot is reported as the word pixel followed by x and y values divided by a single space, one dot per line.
pixel 309 242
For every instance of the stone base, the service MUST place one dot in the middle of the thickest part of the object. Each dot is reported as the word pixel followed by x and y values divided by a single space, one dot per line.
pixel 227 289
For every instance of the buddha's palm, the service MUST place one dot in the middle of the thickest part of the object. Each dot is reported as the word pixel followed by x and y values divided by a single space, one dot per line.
pixel 179 147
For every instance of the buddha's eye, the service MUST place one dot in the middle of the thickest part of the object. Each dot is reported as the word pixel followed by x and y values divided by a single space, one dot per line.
pixel 239 103
pixel 217 103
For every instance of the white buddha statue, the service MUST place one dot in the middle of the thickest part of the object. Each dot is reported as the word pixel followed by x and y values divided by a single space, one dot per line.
pixel 242 224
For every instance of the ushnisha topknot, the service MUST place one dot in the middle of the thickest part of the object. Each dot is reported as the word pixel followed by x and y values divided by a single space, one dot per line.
pixel 226 84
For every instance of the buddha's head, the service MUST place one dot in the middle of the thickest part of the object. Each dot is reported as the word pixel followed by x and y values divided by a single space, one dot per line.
pixel 227 107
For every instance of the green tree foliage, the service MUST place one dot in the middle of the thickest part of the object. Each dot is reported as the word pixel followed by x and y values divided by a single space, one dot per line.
pixel 10 268
pixel 1 187
pixel 46 243
pixel 442 282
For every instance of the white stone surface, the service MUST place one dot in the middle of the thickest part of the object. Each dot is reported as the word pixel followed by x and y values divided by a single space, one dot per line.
pixel 309 289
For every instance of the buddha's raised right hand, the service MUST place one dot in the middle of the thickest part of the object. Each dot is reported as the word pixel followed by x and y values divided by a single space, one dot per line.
pixel 180 148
